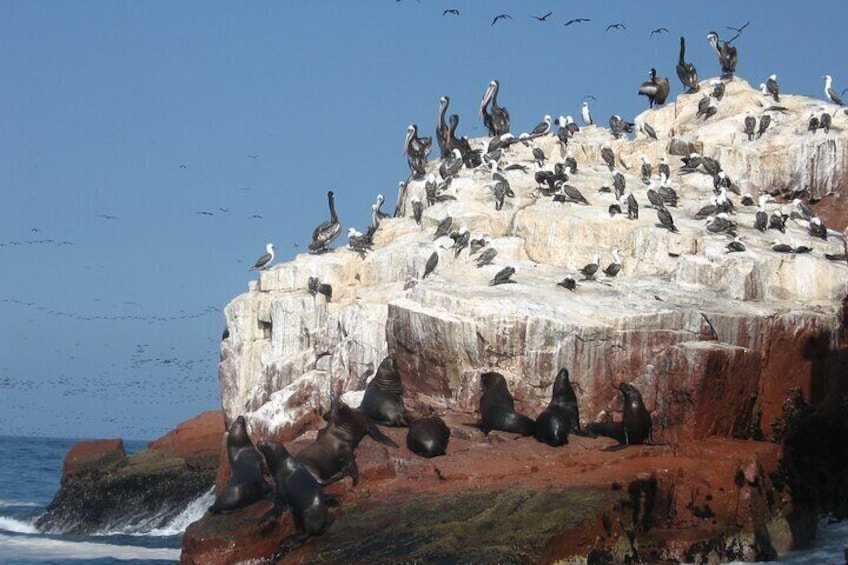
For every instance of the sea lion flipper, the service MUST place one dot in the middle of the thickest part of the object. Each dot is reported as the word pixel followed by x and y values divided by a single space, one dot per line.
pixel 332 500
pixel 616 447
pixel 379 436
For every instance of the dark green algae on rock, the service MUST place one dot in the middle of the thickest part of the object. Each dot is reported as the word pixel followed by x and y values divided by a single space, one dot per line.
pixel 477 526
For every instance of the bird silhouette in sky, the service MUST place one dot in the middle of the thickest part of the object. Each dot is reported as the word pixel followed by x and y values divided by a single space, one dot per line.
pixel 452 11
pixel 577 21
pixel 501 17
pixel 659 30
pixel 543 18
pixel 616 26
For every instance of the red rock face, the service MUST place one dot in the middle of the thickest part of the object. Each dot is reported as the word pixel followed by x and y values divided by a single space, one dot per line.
pixel 88 456
pixel 496 498
pixel 197 440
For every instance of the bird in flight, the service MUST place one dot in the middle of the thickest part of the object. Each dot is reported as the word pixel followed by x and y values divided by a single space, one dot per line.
pixel 659 30
pixel 543 18
pixel 501 17
pixel 452 11
pixel 204 213
pixel 252 156
pixel 738 29
pixel 577 21
pixel 107 217
pixel 616 26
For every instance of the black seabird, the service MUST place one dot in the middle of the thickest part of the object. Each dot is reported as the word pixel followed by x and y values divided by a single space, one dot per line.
pixel 649 131
pixel 686 72
pixel 736 246
pixel 663 169
pixel 572 194
pixel 503 276
pixel 358 242
pixel 817 229
pixel 782 247
pixel 761 218
pixel 477 244
pixel 500 17
pixel 617 126
pixel 608 156
pixel 750 126
pixel 803 209
pixel 619 184
pixel 655 89
pixel 765 121
pixel 417 209
pixel 443 228
pixel 451 166
pixel 707 210
pixel 632 207
pixel 616 26
pixel 614 209
pixel 576 21
pixel 720 224
pixel 703 105
pixel 328 231
pixel 668 195
pixel 486 257
pixel 265 261
pixel 824 122
pixel 777 221
pixel 800 249
pixel 718 89
pixel 452 11
pixel 664 216
pixel 654 199
pixel 727 54
pixel 568 283
pixel 543 18
pixel 829 92
pixel 442 127
pixel 432 261
pixel 813 123
pixel 647 170
pixel 615 267
pixel 461 241
pixel 772 88
pixel 589 270
pixel 543 127
pixel 500 115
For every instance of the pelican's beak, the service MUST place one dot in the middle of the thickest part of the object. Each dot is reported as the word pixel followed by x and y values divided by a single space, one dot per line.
pixel 406 142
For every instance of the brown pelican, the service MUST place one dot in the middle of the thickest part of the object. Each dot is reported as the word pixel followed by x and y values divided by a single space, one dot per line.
pixel 500 115
pixel 727 54
pixel 829 92
pixel 655 89
pixel 442 127
pixel 686 72
pixel 328 231
pixel 265 261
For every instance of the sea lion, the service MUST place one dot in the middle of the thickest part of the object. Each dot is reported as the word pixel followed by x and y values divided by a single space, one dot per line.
pixel 330 457
pixel 246 484
pixel 383 400
pixel 497 409
pixel 428 437
pixel 635 426
pixel 296 488
pixel 557 420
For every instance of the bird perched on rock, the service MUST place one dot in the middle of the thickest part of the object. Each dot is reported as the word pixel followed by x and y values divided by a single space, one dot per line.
pixel 824 122
pixel 830 92
pixel 765 121
pixel 728 55
pixel 503 276
pixel 568 283
pixel 486 257
pixel 750 125
pixel 265 260
pixel 686 72
pixel 608 156
pixel 615 267
pixel 736 246
pixel 586 114
pixel 813 123
pixel 655 89
pixel 773 88
pixel 589 270
pixel 666 221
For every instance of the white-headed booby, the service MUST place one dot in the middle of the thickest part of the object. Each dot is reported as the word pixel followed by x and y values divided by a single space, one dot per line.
pixel 265 261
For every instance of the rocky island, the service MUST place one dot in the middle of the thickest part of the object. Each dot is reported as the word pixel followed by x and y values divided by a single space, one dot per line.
pixel 741 357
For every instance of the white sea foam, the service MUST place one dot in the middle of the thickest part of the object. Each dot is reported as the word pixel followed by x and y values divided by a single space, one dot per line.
pixel 827 549
pixel 18 504
pixel 16 526
pixel 45 549
pixel 192 513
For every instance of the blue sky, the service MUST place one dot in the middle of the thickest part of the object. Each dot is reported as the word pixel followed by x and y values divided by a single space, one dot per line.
pixel 120 121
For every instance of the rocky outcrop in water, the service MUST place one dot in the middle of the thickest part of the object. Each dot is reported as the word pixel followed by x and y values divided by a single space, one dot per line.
pixel 716 341
pixel 102 489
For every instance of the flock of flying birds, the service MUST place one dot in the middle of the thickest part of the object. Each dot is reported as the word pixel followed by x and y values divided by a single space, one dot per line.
pixel 457 153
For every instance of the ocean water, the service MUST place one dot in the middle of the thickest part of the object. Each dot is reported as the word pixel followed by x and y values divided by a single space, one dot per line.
pixel 30 469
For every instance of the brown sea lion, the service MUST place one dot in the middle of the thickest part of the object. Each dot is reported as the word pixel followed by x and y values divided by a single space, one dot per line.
pixel 497 409
pixel 246 484
pixel 296 489
pixel 635 426
pixel 330 457
pixel 428 437
pixel 383 400
pixel 560 417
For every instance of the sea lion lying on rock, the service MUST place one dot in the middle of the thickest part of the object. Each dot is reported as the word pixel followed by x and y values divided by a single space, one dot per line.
pixel 330 458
